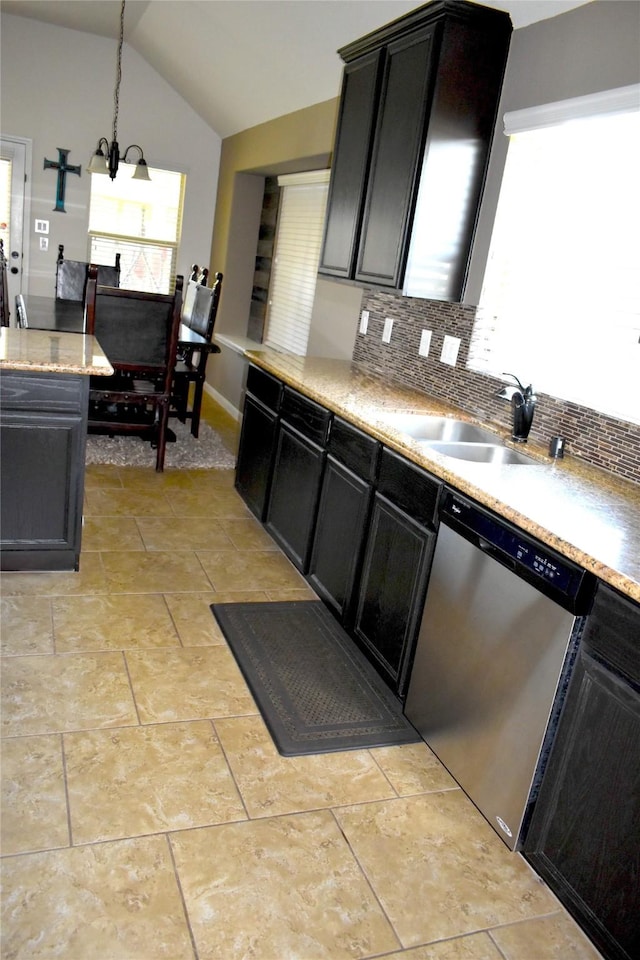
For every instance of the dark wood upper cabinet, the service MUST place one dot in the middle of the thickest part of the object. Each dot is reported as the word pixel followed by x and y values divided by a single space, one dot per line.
pixel 350 164
pixel 417 114
pixel 394 161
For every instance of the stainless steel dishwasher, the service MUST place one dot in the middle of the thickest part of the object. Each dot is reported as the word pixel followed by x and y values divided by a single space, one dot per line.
pixel 499 631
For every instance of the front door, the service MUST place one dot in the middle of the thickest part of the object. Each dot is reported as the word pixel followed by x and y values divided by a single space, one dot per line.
pixel 12 215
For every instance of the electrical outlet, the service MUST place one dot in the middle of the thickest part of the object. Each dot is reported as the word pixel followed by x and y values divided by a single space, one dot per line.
pixel 44 243
pixel 388 327
pixel 364 321
pixel 425 343
pixel 450 349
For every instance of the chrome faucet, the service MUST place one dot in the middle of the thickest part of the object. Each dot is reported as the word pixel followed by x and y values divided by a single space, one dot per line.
pixel 523 402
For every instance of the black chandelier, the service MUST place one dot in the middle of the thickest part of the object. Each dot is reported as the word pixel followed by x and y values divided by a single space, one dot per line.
pixel 107 158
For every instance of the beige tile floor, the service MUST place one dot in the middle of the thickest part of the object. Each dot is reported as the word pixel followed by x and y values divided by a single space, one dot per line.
pixel 145 811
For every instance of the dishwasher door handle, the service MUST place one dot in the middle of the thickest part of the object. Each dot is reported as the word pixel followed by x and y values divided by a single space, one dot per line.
pixel 491 550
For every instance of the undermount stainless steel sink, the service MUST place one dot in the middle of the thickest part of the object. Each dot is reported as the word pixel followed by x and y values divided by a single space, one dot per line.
pixel 482 453
pixel 420 426
pixel 458 439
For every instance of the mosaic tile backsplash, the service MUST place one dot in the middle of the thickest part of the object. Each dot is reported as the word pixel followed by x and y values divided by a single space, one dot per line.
pixel 602 441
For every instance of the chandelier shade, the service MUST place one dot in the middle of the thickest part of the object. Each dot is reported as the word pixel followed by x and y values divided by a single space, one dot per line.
pixel 106 159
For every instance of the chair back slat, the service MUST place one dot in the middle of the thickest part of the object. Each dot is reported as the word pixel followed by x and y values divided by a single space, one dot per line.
pixel 71 280
pixel 72 275
pixel 133 330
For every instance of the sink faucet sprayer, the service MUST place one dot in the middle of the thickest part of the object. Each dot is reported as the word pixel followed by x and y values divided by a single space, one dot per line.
pixel 523 402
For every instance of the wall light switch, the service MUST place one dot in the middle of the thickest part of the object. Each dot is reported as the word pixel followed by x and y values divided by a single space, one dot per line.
pixel 425 343
pixel 42 226
pixel 364 321
pixel 388 327
pixel 450 349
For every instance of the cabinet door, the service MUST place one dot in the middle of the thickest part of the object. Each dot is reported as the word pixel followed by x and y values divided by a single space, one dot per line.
pixel 344 505
pixel 358 105
pixel 398 143
pixel 584 838
pixel 295 487
pixel 391 596
pixel 255 455
pixel 41 490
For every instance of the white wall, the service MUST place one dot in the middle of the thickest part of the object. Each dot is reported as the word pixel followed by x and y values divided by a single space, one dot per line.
pixel 57 90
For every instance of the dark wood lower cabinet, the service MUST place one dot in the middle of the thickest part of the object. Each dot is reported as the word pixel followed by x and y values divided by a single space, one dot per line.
pixel 43 428
pixel 258 439
pixel 295 488
pixel 297 474
pixel 397 560
pixel 343 514
pixel 255 455
pixel 394 577
pixel 340 528
pixel 584 837
pixel 356 519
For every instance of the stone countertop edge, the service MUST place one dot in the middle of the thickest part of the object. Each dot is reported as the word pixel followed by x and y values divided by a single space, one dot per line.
pixel 47 351
pixel 585 513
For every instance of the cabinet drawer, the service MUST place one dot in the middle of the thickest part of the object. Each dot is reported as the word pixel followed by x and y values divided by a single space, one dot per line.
pixel 355 449
pixel 309 418
pixel 408 487
pixel 47 393
pixel 612 631
pixel 264 387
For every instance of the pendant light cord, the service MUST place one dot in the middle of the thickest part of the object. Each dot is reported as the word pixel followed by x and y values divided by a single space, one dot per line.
pixel 116 97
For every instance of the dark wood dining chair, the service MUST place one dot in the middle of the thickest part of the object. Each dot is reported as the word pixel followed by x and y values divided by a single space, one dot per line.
pixel 71 276
pixel 138 332
pixel 191 364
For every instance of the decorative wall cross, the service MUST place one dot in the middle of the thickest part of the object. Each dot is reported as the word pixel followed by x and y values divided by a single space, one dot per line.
pixel 63 169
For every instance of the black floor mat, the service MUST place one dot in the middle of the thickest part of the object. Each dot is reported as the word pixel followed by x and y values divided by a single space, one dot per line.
pixel 316 691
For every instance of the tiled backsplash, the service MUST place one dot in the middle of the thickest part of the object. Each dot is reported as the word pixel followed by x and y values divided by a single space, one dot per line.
pixel 601 440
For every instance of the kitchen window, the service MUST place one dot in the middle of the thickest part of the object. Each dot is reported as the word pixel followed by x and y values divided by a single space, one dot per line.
pixel 142 221
pixel 303 203
pixel 560 305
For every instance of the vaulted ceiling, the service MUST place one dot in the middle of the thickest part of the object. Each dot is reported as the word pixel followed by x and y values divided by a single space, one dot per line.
pixel 238 63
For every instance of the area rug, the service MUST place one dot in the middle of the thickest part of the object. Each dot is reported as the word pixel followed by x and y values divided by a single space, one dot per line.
pixel 316 691
pixel 187 453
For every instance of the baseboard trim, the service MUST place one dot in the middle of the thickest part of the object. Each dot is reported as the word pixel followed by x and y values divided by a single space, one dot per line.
pixel 224 403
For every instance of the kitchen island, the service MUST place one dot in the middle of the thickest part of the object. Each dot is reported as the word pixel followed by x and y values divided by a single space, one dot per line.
pixel 44 396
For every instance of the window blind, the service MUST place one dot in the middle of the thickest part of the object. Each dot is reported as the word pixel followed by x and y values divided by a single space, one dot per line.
pixel 297 253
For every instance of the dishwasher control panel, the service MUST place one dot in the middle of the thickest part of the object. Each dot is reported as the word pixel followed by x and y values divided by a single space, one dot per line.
pixel 537 563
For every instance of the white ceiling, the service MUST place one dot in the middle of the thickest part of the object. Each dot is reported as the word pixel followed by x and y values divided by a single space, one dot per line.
pixel 238 63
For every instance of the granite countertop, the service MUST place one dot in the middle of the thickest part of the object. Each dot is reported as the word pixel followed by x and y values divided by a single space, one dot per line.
pixel 45 351
pixel 583 512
